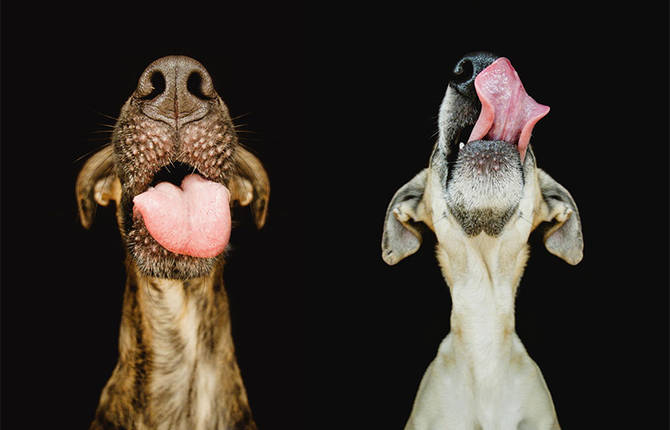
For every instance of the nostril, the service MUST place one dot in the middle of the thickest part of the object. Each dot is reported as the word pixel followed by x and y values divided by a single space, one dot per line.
pixel 463 71
pixel 467 69
pixel 158 85
pixel 194 85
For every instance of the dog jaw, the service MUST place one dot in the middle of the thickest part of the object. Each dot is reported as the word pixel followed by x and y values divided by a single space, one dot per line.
pixel 481 181
pixel 474 207
pixel 143 147
pixel 485 187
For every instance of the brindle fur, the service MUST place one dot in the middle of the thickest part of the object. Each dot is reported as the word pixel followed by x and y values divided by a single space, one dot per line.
pixel 177 367
pixel 157 345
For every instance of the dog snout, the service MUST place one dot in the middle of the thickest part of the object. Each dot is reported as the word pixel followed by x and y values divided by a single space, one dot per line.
pixel 467 69
pixel 175 90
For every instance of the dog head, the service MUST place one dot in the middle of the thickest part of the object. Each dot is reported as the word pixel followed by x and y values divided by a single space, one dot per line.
pixel 174 169
pixel 482 184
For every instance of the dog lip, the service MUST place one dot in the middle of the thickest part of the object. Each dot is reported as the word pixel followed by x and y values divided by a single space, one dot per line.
pixel 489 157
pixel 515 144
pixel 457 143
pixel 144 244
pixel 144 146
pixel 485 185
pixel 173 172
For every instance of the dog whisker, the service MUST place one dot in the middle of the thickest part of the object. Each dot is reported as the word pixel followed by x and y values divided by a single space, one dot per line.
pixel 240 116
pixel 81 157
pixel 238 126
pixel 107 116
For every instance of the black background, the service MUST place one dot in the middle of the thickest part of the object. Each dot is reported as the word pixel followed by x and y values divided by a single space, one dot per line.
pixel 341 106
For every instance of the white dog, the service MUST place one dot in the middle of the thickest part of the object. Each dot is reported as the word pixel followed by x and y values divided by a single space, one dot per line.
pixel 482 195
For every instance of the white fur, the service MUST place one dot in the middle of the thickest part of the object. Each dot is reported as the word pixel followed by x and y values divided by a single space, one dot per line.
pixel 482 377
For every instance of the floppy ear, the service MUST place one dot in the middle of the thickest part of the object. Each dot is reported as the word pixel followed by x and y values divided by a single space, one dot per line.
pixel 96 184
pixel 564 237
pixel 401 236
pixel 251 185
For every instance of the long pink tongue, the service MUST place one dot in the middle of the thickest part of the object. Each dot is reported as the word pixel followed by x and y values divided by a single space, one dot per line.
pixel 192 220
pixel 508 112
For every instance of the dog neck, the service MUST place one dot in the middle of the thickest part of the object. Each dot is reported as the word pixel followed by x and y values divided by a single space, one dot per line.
pixel 483 276
pixel 177 366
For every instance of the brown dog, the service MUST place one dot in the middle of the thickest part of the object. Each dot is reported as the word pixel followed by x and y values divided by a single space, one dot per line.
pixel 174 169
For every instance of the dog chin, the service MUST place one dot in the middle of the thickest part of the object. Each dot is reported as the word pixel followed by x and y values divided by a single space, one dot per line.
pixel 485 186
pixel 151 259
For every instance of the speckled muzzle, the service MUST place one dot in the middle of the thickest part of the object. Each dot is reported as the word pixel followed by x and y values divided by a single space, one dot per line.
pixel 173 125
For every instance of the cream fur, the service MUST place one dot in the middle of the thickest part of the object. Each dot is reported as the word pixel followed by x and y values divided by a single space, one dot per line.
pixel 482 376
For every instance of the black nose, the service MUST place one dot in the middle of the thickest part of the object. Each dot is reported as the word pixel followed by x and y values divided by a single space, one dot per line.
pixel 175 90
pixel 467 69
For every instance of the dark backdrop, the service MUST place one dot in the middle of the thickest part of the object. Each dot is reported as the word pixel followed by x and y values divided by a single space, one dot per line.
pixel 341 107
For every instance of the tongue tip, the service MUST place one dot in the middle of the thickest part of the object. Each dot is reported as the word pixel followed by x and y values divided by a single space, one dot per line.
pixel 524 138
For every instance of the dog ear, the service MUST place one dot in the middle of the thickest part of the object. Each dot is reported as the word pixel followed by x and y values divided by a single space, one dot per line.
pixel 251 185
pixel 401 237
pixel 96 184
pixel 564 237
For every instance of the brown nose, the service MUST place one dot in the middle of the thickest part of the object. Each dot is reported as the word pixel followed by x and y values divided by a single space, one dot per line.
pixel 175 90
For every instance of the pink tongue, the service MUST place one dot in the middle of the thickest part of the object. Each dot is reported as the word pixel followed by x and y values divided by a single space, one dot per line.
pixel 192 220
pixel 508 112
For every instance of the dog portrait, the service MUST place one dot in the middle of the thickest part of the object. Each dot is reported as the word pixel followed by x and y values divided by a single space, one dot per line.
pixel 258 216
